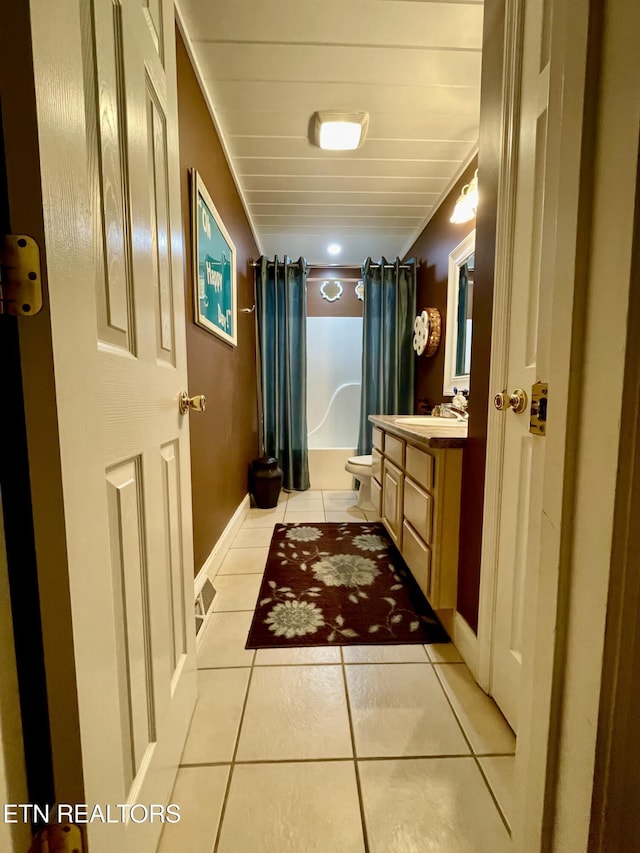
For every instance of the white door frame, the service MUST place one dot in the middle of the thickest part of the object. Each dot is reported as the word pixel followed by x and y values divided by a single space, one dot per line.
pixel 587 556
pixel 592 158
pixel 563 168
pixel 496 426
pixel 566 232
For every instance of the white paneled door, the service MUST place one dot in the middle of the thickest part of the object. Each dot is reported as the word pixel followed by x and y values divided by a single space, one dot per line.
pixel 105 90
pixel 528 331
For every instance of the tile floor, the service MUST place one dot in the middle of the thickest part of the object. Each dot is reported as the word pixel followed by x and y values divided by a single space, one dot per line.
pixel 387 749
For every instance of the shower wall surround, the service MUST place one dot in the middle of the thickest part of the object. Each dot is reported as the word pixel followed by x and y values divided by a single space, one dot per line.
pixel 334 372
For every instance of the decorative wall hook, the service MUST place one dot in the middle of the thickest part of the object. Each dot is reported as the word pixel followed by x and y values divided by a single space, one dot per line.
pixel 331 290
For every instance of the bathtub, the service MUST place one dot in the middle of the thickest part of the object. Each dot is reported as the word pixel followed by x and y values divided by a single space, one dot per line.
pixel 326 468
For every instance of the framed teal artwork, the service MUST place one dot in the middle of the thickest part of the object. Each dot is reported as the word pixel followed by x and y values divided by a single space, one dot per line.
pixel 214 267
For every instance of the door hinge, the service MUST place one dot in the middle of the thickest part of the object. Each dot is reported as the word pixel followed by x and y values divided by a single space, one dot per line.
pixel 538 418
pixel 20 278
pixel 58 838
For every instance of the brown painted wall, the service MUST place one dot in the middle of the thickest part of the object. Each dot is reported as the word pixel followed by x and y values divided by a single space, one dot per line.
pixel 347 306
pixel 224 439
pixel 475 453
pixel 431 250
pixel 433 246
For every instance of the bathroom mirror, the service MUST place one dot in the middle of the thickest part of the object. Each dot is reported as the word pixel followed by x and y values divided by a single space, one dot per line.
pixel 457 357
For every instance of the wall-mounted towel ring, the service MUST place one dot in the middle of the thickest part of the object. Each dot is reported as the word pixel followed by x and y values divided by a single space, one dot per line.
pixel 248 310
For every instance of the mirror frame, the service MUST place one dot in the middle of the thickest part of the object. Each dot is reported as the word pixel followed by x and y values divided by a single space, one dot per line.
pixel 456 259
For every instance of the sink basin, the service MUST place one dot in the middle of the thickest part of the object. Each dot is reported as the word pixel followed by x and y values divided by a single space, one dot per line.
pixel 430 421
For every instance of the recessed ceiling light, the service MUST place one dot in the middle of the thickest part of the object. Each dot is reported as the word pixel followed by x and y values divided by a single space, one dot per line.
pixel 340 131
pixel 334 249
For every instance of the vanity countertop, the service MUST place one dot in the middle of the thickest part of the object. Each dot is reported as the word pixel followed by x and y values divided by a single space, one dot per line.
pixel 454 436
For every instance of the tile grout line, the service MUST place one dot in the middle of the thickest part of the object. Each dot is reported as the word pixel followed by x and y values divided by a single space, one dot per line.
pixel 474 756
pixel 358 663
pixel 236 611
pixel 493 796
pixel 327 662
pixel 235 575
pixel 250 610
pixel 453 711
pixel 337 760
pixel 261 762
pixel 356 768
pixel 247 547
pixel 223 810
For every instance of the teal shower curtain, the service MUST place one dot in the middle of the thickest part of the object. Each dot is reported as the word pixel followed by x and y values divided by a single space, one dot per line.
pixel 281 319
pixel 387 351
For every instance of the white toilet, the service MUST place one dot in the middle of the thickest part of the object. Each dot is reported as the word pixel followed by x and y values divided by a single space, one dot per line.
pixel 360 467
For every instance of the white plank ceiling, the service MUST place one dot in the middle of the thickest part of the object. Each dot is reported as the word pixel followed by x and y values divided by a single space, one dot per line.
pixel 268 65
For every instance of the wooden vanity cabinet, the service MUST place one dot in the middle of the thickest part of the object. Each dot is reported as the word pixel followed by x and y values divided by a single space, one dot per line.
pixel 377 460
pixel 418 489
pixel 392 500
pixel 376 479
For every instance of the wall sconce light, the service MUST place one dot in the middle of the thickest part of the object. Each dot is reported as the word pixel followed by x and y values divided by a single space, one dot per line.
pixel 467 202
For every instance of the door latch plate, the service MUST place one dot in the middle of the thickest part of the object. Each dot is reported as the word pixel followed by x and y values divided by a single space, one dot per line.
pixel 20 276
pixel 539 398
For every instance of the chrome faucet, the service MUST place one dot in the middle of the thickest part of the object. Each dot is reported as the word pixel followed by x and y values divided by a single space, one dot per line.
pixel 448 410
pixel 457 408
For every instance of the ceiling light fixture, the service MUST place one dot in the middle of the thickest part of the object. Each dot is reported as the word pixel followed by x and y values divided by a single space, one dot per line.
pixel 334 249
pixel 467 203
pixel 339 131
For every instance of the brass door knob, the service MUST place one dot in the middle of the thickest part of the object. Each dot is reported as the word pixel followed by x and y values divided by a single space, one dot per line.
pixel 500 401
pixel 196 404
pixel 518 401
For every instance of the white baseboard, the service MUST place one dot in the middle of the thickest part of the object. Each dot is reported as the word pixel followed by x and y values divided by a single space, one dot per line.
pixel 466 642
pixel 212 563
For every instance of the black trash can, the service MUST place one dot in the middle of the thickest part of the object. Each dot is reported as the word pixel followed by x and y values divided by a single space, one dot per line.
pixel 265 481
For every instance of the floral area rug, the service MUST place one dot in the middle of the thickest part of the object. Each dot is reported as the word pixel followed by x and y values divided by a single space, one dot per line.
pixel 339 584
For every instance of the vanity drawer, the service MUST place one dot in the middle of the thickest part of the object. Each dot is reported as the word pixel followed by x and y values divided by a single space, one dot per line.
pixel 394 450
pixel 377 438
pixel 420 466
pixel 376 495
pixel 418 510
pixel 417 556
pixel 376 465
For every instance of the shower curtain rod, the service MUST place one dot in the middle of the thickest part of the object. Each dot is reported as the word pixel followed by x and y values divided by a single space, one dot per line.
pixel 342 266
pixel 342 278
